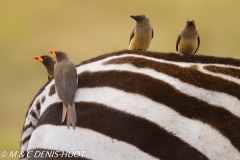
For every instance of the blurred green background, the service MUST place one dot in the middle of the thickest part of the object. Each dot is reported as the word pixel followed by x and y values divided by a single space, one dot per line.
pixel 88 28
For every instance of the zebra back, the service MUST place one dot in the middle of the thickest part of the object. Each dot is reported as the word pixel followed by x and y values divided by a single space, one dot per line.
pixel 143 105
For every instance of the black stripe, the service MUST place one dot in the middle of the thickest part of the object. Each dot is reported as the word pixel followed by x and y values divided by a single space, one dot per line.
pixel 190 75
pixel 42 100
pixel 34 114
pixel 224 70
pixel 26 139
pixel 170 56
pixel 52 90
pixel 145 135
pixel 160 91
pixel 48 154
pixel 38 105
pixel 27 126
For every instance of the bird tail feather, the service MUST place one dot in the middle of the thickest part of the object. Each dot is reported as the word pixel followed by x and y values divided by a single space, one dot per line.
pixel 64 113
pixel 71 116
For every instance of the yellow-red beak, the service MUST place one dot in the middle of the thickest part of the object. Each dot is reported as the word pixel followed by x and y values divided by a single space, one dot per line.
pixel 53 53
pixel 38 58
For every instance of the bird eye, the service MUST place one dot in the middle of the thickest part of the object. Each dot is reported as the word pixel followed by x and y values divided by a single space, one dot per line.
pixel 44 57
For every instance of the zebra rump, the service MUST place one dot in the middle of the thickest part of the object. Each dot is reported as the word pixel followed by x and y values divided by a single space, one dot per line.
pixel 141 105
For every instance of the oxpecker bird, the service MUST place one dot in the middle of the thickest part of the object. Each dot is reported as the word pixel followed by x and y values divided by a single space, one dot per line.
pixel 188 39
pixel 142 33
pixel 48 62
pixel 66 81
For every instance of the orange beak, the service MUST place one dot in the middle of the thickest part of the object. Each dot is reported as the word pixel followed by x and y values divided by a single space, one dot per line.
pixel 38 58
pixel 53 53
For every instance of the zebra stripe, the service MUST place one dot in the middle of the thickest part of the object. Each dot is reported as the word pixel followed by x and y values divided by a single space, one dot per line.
pixel 234 72
pixel 110 145
pixel 144 105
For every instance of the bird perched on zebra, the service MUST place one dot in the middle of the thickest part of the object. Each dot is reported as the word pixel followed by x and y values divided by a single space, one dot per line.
pixel 142 33
pixel 188 39
pixel 66 81
pixel 48 62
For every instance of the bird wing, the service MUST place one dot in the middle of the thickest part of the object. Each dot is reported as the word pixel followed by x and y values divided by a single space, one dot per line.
pixel 132 34
pixel 59 83
pixel 177 42
pixel 70 80
pixel 198 44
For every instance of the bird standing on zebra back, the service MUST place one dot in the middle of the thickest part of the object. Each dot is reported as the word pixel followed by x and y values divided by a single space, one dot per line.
pixel 142 33
pixel 66 81
pixel 188 39
pixel 49 63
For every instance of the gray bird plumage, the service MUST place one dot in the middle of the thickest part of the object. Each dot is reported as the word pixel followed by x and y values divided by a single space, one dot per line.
pixel 188 40
pixel 142 33
pixel 66 81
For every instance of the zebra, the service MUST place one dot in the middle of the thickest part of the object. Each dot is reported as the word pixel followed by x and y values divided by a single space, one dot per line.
pixel 143 105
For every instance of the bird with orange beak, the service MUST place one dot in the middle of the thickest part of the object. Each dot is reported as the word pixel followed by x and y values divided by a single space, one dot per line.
pixel 66 81
pixel 49 63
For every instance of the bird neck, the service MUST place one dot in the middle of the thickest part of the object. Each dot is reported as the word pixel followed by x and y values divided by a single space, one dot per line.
pixel 143 27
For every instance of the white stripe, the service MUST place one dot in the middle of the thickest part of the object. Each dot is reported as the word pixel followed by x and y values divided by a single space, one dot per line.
pixel 180 64
pixel 24 135
pixel 219 99
pixel 96 63
pixel 27 132
pixel 96 145
pixel 202 136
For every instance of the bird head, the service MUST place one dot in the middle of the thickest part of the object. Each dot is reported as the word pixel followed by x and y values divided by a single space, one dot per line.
pixel 190 23
pixel 139 18
pixel 59 55
pixel 46 60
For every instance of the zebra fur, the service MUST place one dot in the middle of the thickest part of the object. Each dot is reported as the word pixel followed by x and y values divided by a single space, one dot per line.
pixel 143 105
